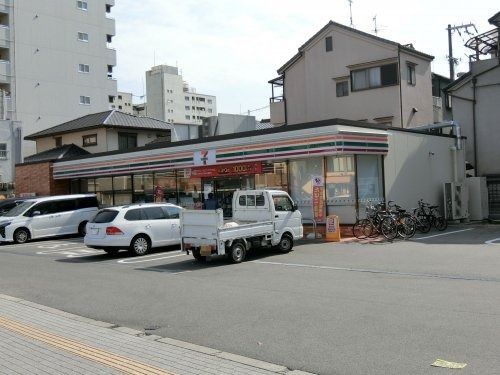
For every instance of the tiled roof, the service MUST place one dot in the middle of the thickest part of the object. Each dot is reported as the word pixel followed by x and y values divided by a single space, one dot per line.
pixel 57 153
pixel 108 119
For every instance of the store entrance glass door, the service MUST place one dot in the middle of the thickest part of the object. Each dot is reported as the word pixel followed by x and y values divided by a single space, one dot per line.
pixel 224 188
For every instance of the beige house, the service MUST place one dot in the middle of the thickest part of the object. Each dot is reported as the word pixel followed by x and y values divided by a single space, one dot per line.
pixel 346 73
pixel 102 132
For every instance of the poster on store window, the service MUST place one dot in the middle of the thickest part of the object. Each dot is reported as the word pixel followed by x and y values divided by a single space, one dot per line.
pixel 204 157
pixel 318 198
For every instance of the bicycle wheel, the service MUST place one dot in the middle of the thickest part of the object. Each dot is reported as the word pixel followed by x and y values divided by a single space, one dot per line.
pixel 389 228
pixel 407 227
pixel 424 225
pixel 358 229
pixel 440 223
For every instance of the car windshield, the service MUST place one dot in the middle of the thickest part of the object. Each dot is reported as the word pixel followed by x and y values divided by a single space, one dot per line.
pixel 18 210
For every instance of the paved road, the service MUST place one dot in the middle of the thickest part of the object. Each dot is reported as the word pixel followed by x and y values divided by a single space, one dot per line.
pixel 325 308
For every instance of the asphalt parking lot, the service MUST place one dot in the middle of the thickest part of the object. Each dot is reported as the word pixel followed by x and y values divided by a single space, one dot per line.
pixel 344 308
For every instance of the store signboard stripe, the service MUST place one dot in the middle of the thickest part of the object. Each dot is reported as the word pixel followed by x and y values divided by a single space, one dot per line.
pixel 222 150
pixel 333 148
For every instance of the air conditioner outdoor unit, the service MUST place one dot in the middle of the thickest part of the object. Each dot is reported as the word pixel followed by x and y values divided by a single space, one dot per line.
pixel 456 201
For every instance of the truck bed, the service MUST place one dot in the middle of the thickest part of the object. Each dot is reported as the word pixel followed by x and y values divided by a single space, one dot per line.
pixel 209 225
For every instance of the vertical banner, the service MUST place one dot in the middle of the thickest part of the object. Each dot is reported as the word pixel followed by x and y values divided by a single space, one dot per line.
pixel 318 198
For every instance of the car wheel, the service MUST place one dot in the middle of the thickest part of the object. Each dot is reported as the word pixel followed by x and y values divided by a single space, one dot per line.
pixel 140 245
pixel 21 235
pixel 286 244
pixel 238 252
pixel 82 228
pixel 197 255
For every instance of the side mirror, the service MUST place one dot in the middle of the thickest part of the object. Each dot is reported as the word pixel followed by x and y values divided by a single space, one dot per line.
pixel 295 207
pixel 35 213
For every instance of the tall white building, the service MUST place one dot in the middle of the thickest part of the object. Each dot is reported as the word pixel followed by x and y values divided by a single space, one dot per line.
pixel 56 62
pixel 170 99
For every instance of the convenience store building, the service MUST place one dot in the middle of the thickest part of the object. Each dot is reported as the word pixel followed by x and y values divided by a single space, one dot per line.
pixel 352 163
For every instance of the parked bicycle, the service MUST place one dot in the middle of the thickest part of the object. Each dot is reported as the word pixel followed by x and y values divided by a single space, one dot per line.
pixel 429 216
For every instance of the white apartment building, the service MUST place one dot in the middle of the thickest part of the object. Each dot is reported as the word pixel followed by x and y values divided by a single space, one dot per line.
pixel 170 99
pixel 56 63
pixel 341 72
pixel 123 102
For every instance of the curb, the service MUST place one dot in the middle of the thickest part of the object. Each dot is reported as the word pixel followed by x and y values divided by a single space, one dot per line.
pixel 262 365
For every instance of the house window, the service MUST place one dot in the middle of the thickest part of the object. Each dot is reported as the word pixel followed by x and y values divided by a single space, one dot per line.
pixel 342 88
pixel 58 141
pixel 82 5
pixel 83 37
pixel 89 140
pixel 3 150
pixel 210 110
pixel 109 38
pixel 410 74
pixel 188 117
pixel 379 76
pixel 84 100
pixel 209 101
pixel 111 98
pixel 127 140
pixel 328 44
pixel 186 108
pixel 120 107
pixel 83 68
pixel 186 98
pixel 119 97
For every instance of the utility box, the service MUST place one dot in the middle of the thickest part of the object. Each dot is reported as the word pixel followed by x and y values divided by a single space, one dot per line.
pixel 456 198
pixel 478 198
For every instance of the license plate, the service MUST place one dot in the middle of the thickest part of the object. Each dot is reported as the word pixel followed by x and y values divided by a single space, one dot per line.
pixel 205 250
pixel 94 231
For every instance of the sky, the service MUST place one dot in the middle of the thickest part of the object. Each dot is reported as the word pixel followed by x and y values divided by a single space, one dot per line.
pixel 232 48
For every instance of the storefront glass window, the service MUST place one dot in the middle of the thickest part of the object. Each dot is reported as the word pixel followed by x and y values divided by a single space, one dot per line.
pixel 340 187
pixel 165 187
pixel 104 189
pixel 190 191
pixel 143 188
pixel 123 190
pixel 370 188
pixel 274 176
pixel 301 173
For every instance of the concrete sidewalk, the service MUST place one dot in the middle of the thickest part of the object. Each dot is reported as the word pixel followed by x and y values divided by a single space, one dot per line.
pixel 36 339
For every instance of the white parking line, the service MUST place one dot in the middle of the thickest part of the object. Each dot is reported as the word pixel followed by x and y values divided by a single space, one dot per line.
pixel 47 252
pixel 39 244
pixel 132 261
pixel 494 241
pixel 443 234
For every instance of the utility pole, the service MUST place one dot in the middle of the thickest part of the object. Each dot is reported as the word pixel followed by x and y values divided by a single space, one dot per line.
pixel 453 61
pixel 375 30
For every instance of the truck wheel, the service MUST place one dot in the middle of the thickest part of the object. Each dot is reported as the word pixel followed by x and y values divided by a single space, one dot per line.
pixel 238 252
pixel 286 244
pixel 198 256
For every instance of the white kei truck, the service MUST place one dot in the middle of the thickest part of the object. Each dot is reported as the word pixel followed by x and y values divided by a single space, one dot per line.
pixel 261 218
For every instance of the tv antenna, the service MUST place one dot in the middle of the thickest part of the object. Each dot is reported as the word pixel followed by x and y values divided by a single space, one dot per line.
pixel 350 12
pixel 377 28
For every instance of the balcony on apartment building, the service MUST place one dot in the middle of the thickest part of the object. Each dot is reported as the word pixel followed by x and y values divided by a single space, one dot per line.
pixel 277 101
pixel 4 30
pixel 5 5
pixel 110 56
pixel 4 65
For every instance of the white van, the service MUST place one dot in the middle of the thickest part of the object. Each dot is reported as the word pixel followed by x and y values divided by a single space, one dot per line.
pixel 48 217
